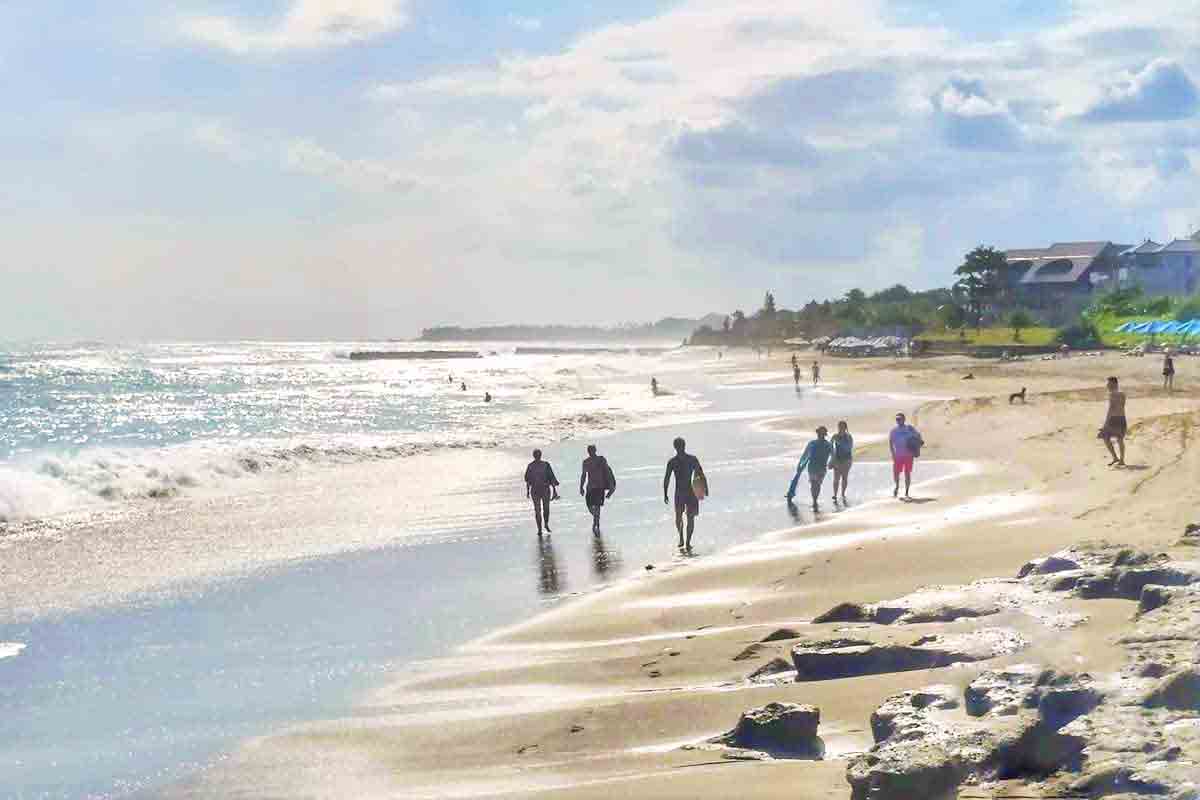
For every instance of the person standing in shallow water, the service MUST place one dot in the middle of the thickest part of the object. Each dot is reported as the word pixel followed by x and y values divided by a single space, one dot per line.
pixel 816 458
pixel 684 466
pixel 540 485
pixel 1115 424
pixel 843 459
pixel 596 484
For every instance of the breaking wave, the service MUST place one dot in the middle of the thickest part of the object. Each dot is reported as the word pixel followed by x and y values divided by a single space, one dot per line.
pixel 94 479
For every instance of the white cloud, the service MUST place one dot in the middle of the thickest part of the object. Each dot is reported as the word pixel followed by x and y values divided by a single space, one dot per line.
pixel 1161 91
pixel 787 129
pixel 801 146
pixel 527 24
pixel 218 136
pixel 307 24
pixel 307 157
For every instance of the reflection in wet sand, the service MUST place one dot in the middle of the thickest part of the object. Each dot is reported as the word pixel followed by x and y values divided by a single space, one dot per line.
pixel 551 580
pixel 606 560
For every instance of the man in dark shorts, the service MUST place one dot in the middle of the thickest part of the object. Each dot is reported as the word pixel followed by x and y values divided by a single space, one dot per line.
pixel 1115 424
pixel 540 483
pixel 596 484
pixel 684 466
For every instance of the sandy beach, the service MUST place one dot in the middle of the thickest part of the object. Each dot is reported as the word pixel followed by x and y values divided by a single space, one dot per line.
pixel 608 694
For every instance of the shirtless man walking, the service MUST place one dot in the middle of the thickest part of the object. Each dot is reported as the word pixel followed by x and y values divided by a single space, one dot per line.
pixel 541 487
pixel 596 484
pixel 1115 424
pixel 684 466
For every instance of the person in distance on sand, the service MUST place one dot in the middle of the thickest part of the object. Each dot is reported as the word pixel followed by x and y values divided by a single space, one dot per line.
pixel 1115 424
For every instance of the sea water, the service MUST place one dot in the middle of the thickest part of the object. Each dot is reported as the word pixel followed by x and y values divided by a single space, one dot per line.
pixel 84 425
pixel 207 542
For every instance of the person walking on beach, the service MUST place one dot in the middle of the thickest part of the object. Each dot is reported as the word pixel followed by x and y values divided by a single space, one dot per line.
pixel 1168 372
pixel 596 483
pixel 1115 424
pixel 541 487
pixel 815 459
pixel 795 362
pixel 685 467
pixel 796 375
pixel 654 386
pixel 905 444
pixel 843 459
pixel 816 373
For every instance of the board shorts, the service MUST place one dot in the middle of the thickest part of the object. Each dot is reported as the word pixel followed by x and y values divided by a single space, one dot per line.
pixel 1114 427
pixel 687 503
pixel 841 466
pixel 902 464
pixel 595 497
pixel 817 477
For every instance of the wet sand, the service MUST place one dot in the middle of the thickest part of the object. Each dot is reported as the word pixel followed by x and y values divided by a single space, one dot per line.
pixel 598 697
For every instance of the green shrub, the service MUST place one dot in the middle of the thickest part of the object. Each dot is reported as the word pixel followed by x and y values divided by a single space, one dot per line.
pixel 1157 306
pixel 1082 333
pixel 1020 320
pixel 1189 309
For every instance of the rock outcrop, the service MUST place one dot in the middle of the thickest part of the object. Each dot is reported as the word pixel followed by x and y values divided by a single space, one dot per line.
pixel 1124 735
pixel 819 660
pixel 937 604
pixel 1100 570
pixel 783 730
pixel 770 670
pixel 926 747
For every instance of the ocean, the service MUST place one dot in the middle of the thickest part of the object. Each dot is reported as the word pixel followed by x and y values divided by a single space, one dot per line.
pixel 201 543
pixel 82 426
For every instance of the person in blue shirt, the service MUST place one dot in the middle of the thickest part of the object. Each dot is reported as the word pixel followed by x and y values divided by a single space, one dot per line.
pixel 815 459
pixel 843 459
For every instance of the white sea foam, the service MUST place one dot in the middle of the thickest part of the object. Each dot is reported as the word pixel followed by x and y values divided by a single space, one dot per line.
pixel 10 649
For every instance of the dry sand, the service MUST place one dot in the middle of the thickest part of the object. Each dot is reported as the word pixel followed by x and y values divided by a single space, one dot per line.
pixel 595 699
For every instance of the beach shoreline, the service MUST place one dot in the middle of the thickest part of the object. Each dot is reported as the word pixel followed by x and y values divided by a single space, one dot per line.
pixel 605 691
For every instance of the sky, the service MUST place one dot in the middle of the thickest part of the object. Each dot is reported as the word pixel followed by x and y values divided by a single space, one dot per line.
pixel 312 169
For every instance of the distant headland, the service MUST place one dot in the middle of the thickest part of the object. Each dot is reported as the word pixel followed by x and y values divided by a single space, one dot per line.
pixel 672 329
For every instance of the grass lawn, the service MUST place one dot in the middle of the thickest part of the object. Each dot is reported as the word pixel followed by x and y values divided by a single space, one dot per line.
pixel 995 337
